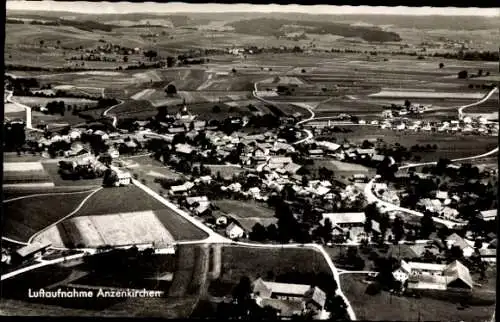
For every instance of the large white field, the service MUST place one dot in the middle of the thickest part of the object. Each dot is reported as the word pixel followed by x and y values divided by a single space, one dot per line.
pixel 422 94
pixel 22 166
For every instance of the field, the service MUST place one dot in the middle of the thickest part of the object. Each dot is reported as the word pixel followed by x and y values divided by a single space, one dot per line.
pixel 244 209
pixel 42 101
pixel 422 94
pixel 136 218
pixel 269 264
pixel 449 146
pixel 22 218
pixel 382 307
pixel 24 173
pixel 113 229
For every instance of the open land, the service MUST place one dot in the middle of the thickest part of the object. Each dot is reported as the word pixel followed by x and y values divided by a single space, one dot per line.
pixel 369 307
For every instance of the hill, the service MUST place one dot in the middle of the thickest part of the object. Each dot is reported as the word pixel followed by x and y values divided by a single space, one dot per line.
pixel 274 27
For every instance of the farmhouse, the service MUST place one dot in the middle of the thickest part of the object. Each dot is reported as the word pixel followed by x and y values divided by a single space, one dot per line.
pixel 288 299
pixel 234 231
pixel 123 177
pixel 186 186
pixel 488 215
pixel 454 276
pixel 346 220
pixel 456 240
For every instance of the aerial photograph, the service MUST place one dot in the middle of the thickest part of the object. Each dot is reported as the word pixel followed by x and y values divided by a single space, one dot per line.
pixel 243 161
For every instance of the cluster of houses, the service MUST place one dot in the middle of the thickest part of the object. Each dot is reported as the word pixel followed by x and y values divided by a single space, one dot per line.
pixel 467 125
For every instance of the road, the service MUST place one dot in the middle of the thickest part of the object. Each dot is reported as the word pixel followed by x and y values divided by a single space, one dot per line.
pixel 105 113
pixel 484 99
pixel 82 203
pixel 28 112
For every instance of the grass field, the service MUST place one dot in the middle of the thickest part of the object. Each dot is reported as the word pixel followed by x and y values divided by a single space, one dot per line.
pixel 24 217
pixel 265 262
pixel 449 146
pixel 382 307
pixel 244 209
pixel 42 101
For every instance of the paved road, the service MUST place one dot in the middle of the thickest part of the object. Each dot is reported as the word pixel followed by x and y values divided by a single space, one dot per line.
pixel 27 108
pixel 484 99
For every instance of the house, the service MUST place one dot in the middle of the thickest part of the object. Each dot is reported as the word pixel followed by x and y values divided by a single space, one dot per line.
pixel 360 178
pixel 378 158
pixel 124 177
pixel 30 251
pixel 454 276
pixel 186 186
pixel 287 298
pixel 488 255
pixel 456 240
pixel 315 153
pixel 292 168
pixel 329 146
pixel 193 200
pixel 234 231
pixel 488 215
pixel 368 152
pixel 441 195
pixel 346 219
pixel 185 149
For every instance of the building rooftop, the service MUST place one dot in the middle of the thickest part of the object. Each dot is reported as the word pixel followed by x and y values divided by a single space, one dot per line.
pixel 345 218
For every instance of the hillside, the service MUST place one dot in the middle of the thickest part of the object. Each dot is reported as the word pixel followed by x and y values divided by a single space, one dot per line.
pixel 274 27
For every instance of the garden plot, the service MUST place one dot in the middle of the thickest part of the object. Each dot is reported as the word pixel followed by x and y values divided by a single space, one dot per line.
pixel 422 94
pixel 12 108
pixel 113 229
pixel 42 101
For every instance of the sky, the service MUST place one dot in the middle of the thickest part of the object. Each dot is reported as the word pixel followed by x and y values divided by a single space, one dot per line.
pixel 151 7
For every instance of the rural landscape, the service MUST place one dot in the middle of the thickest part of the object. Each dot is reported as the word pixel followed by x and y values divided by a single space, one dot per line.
pixel 253 164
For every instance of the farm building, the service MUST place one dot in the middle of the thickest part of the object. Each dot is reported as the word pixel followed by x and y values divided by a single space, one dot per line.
pixel 288 299
pixel 234 231
pixel 456 240
pixel 186 186
pixel 488 215
pixel 425 276
pixel 124 177
pixel 30 251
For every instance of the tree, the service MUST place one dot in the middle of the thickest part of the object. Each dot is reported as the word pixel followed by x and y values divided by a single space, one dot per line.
pixel 125 59
pixel 58 42
pixel 243 290
pixel 463 74
pixel 216 109
pixel 407 103
pixel 170 90
pixel 398 229
pixel 233 70
pixel 426 225
pixel 170 61
pixel 480 73
pixel 41 42
pixel 441 65
pixel 110 178
pixel 258 232
pixel 327 230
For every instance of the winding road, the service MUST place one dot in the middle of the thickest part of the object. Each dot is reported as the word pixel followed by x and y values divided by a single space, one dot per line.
pixel 481 101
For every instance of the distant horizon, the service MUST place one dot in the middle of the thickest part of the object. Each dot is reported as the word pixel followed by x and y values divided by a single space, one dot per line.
pixel 84 7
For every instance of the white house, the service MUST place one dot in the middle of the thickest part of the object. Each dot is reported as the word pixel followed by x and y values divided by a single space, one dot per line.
pixel 124 177
pixel 488 215
pixel 234 231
